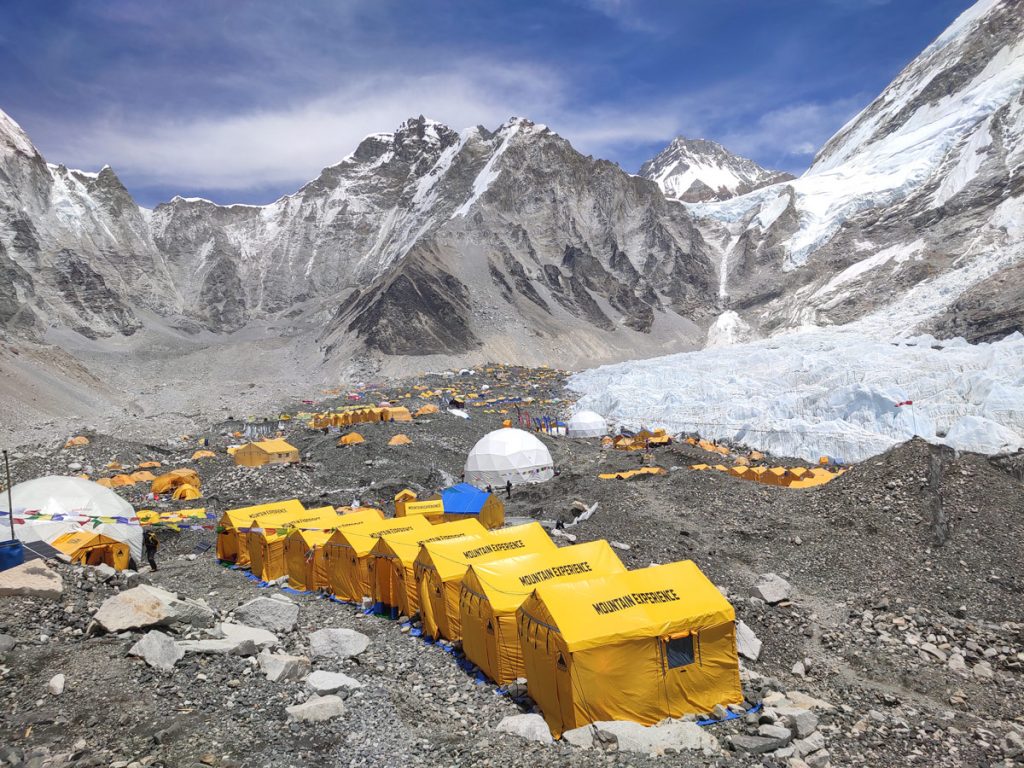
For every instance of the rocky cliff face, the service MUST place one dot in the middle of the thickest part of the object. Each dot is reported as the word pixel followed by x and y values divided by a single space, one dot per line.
pixel 698 170
pixel 914 203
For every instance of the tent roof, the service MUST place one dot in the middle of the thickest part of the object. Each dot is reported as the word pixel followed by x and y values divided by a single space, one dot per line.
pixel 72 541
pixel 363 537
pixel 507 583
pixel 405 545
pixel 275 511
pixel 310 538
pixel 464 499
pixel 321 517
pixel 276 445
pixel 452 558
pixel 650 602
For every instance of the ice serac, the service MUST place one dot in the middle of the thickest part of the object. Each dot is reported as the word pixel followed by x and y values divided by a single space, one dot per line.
pixel 920 193
pixel 699 170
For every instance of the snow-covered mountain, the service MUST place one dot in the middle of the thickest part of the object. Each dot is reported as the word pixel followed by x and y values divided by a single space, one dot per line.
pixel 699 170
pixel 912 212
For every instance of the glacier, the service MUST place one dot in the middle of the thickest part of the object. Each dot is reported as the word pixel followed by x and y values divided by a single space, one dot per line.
pixel 824 391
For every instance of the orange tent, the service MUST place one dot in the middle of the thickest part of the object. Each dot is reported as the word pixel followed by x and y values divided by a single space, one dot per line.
pixel 149 465
pixel 203 455
pixel 352 438
pixel 76 441
pixel 399 440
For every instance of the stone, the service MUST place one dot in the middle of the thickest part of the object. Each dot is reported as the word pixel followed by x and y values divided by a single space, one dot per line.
pixel 218 646
pixel 321 682
pixel 147 606
pixel 158 650
pixel 983 671
pixel 656 739
pixel 337 643
pixel 56 685
pixel 104 572
pixel 282 667
pixel 263 638
pixel 778 732
pixel 754 745
pixel 582 737
pixel 802 723
pixel 957 663
pixel 819 759
pixel 269 613
pixel 747 643
pixel 803 701
pixel 620 545
pixel 7 644
pixel 811 744
pixel 31 579
pixel 772 588
pixel 316 709
pixel 530 727
pixel 799 670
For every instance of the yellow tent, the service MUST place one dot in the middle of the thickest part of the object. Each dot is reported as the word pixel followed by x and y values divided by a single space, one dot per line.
pixel 105 482
pixel 143 476
pixel 114 465
pixel 440 566
pixel 119 481
pixel 631 473
pixel 76 441
pixel 304 559
pixel 432 510
pixel 352 438
pixel 266 545
pixel 347 555
pixel 203 455
pixel 276 451
pixel 492 592
pixel 186 492
pixel 401 413
pixel 426 410
pixel 401 499
pixel 394 580
pixel 399 440
pixel 642 645
pixel 149 465
pixel 231 542
pixel 167 482
pixel 88 548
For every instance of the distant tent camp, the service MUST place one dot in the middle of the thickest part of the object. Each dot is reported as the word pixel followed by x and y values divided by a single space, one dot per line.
pixel 231 540
pixel 440 566
pixel 347 557
pixel 394 578
pixel 508 455
pixel 641 645
pixel 585 424
pixel 464 500
pixel 167 482
pixel 275 451
pixel 400 440
pixel 186 492
pixel 90 548
pixel 492 592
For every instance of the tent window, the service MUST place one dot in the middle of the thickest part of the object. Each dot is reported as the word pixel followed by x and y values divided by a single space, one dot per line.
pixel 679 651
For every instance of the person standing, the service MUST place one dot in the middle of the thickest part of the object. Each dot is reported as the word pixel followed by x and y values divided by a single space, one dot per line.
pixel 508 489
pixel 152 544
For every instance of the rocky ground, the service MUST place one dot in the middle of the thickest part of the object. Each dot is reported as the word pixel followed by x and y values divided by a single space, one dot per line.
pixel 898 640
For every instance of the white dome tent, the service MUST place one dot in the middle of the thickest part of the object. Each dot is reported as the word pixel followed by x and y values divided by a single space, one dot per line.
pixel 508 454
pixel 587 424
pixel 70 504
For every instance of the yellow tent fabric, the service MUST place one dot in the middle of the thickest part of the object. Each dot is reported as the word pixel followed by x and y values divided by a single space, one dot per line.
pixel 401 413
pixel 641 645
pixel 119 481
pixel 440 566
pixel 114 465
pixel 88 548
pixel 231 543
pixel 432 509
pixel 304 560
pixel 105 482
pixel 394 578
pixel 167 482
pixel 266 544
pixel 630 474
pixel 276 451
pixel 492 593
pixel 348 558
pixel 186 492
pixel 426 410
pixel 403 497
pixel 76 441
pixel 399 440
pixel 352 438
pixel 149 465
pixel 143 476
pixel 203 455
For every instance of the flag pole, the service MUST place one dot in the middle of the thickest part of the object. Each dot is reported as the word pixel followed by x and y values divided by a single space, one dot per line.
pixel 10 503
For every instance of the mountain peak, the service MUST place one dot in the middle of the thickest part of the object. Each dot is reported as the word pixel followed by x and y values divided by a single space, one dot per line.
pixel 701 170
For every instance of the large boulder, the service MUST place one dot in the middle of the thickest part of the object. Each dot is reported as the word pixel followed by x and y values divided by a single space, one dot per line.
pixel 281 667
pixel 316 709
pixel 655 739
pixel 277 615
pixel 31 579
pixel 263 638
pixel 322 683
pixel 772 588
pixel 747 643
pixel 220 646
pixel 7 644
pixel 147 606
pixel 530 727
pixel 158 650
pixel 337 643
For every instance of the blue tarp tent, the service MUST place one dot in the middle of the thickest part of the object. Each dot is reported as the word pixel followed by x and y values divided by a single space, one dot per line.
pixel 464 499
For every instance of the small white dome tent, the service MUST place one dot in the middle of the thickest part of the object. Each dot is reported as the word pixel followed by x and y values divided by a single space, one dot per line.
pixel 508 454
pixel 587 424
pixel 69 504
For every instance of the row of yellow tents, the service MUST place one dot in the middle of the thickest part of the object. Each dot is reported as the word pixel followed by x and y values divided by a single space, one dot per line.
pixel 352 416
pixel 595 640
pixel 638 442
pixel 785 477
pixel 633 473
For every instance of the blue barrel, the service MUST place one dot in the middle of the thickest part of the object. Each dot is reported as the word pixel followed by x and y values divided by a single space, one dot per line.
pixel 11 554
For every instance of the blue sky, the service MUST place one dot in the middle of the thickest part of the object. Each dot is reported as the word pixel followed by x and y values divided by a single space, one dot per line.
pixel 245 101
